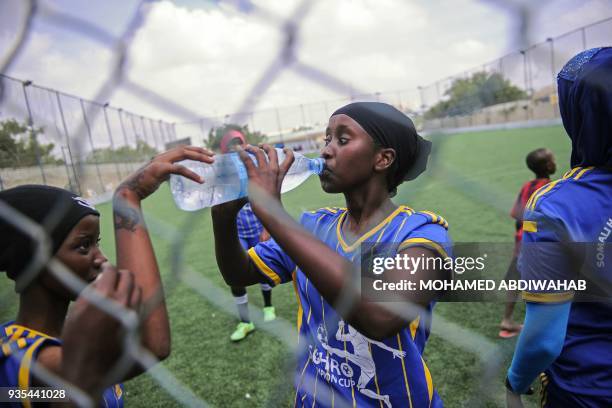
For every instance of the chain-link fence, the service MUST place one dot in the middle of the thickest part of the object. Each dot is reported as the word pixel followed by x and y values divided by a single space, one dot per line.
pixel 62 140
pixel 86 157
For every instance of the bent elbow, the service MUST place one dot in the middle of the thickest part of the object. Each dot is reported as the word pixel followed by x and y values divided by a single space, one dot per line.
pixel 552 350
pixel 161 349
pixel 163 353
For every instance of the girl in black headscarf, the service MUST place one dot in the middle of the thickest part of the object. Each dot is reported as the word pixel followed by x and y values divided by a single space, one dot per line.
pixel 44 228
pixel 360 352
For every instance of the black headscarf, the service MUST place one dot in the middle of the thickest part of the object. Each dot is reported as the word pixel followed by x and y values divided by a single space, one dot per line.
pixel 55 209
pixel 390 128
pixel 585 102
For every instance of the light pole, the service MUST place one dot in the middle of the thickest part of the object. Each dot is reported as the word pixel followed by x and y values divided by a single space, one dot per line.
pixel 33 138
pixel 524 54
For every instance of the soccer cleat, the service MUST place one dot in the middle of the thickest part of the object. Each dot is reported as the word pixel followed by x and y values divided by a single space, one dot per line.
pixel 269 313
pixel 242 330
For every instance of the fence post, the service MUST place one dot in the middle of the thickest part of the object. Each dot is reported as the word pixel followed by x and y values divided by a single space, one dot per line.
pixel 93 150
pixel 144 133
pixel 524 54
pixel 156 136
pixel 49 93
pixel 67 168
pixel 154 133
pixel 420 88
pixel 129 165
pixel 110 138
pixel 161 131
pixel 77 183
pixel 33 137
pixel 134 130
pixel 173 129
pixel 168 131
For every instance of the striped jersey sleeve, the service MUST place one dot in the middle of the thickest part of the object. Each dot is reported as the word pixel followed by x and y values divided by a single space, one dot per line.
pixel 430 231
pixel 545 256
pixel 20 347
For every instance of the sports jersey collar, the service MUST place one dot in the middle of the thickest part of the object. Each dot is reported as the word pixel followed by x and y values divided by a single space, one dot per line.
pixel 349 248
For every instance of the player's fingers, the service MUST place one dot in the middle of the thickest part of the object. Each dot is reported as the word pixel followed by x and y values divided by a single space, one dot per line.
pixel 246 159
pixel 202 155
pixel 107 280
pixel 262 161
pixel 272 156
pixel 125 287
pixel 286 164
pixel 186 152
pixel 184 171
pixel 136 299
pixel 202 150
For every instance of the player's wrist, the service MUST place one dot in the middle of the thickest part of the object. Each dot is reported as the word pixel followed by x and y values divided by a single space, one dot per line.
pixel 73 374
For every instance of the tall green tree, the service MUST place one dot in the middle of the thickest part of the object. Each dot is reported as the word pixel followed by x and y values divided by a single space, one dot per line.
pixel 216 134
pixel 19 146
pixel 467 95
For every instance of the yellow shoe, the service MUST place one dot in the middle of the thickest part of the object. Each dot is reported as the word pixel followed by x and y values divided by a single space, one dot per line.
pixel 242 330
pixel 269 313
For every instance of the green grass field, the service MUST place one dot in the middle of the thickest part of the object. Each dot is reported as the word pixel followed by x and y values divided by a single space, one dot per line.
pixel 474 179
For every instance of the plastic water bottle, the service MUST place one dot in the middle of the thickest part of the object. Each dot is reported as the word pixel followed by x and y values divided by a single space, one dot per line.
pixel 226 179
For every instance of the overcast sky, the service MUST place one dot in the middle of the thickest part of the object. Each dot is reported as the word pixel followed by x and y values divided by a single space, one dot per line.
pixel 206 55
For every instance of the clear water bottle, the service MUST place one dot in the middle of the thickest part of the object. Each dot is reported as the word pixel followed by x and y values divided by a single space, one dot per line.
pixel 226 179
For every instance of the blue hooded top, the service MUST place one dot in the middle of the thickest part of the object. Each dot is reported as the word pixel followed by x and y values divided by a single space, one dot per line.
pixel 585 101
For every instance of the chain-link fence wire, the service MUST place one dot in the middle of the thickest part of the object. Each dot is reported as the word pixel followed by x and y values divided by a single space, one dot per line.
pixel 79 127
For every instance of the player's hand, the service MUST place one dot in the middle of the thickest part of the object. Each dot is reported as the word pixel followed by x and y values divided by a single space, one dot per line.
pixel 149 177
pixel 92 340
pixel 268 175
pixel 399 354
pixel 513 400
pixel 229 209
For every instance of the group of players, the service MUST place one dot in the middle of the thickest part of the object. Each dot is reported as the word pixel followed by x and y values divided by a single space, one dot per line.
pixel 357 351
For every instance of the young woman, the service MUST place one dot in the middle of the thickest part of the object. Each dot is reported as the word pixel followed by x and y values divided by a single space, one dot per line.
pixel 360 353
pixel 566 236
pixel 250 232
pixel 83 348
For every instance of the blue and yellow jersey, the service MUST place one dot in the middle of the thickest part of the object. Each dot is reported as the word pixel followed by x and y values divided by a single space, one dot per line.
pixel 20 348
pixel 248 224
pixel 567 232
pixel 340 363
